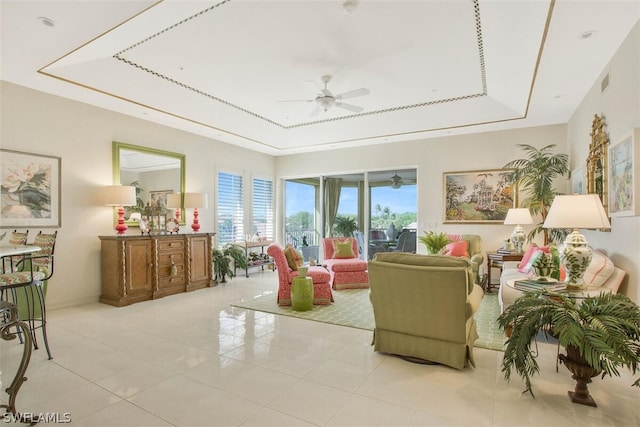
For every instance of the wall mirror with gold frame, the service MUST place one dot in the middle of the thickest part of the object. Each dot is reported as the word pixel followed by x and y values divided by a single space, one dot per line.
pixel 597 162
pixel 154 173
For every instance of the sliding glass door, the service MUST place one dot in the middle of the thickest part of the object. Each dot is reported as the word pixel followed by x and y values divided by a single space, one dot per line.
pixel 374 207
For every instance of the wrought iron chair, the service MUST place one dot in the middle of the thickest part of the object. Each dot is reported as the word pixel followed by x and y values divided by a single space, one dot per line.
pixel 27 285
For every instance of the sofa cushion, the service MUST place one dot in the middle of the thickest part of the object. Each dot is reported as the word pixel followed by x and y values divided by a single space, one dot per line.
pixel 318 274
pixel 343 249
pixel 459 248
pixel 294 258
pixel 599 270
pixel 346 264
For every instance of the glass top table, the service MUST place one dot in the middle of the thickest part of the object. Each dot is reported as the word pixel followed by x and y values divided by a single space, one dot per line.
pixel 580 294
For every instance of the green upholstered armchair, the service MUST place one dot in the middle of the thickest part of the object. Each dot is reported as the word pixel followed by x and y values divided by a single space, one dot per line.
pixel 474 247
pixel 423 307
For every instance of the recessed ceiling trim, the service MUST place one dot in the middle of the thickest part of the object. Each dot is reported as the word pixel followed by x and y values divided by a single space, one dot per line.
pixel 480 49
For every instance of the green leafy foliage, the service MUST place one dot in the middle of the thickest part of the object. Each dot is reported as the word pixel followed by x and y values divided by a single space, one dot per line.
pixel 222 259
pixel 345 225
pixel 605 329
pixel 534 177
pixel 434 242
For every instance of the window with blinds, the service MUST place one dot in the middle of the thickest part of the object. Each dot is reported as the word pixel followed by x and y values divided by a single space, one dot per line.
pixel 230 208
pixel 262 208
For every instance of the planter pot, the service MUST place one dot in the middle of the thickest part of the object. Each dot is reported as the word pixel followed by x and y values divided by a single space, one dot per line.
pixel 582 373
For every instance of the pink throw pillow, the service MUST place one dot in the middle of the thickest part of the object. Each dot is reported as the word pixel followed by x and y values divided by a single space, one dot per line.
pixel 459 248
pixel 527 255
pixel 528 267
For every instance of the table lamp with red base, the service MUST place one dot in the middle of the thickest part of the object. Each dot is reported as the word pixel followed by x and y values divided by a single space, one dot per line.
pixel 120 196
pixel 195 201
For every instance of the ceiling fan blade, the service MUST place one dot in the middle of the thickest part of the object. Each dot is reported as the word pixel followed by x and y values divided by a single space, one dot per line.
pixel 350 107
pixel 353 93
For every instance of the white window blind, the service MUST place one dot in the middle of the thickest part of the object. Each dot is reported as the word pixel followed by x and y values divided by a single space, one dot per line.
pixel 262 208
pixel 230 209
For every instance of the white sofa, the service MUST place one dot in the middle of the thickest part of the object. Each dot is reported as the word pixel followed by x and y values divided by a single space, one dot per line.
pixel 601 272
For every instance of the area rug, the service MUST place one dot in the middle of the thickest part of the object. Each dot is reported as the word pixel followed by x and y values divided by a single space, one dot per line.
pixel 352 308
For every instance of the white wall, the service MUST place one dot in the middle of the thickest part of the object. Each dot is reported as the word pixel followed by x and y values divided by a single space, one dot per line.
pixel 82 136
pixel 433 157
pixel 620 107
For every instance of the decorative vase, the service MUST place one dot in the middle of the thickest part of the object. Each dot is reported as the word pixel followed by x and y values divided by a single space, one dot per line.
pixel 582 373
pixel 543 272
pixel 576 257
pixel 302 291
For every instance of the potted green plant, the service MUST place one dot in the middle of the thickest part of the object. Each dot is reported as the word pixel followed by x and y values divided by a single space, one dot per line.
pixel 222 259
pixel 435 242
pixel 345 225
pixel 534 177
pixel 600 334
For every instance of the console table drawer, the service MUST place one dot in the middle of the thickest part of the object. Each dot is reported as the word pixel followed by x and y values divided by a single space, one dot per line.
pixel 171 244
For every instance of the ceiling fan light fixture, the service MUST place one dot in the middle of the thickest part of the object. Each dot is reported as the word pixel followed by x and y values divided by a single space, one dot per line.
pixel 326 102
pixel 396 181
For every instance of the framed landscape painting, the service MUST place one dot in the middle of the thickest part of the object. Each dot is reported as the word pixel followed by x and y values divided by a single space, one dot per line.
pixel 482 196
pixel 158 199
pixel 29 190
pixel 624 159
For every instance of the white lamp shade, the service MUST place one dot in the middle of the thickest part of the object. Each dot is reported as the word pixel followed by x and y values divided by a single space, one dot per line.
pixel 195 200
pixel 577 211
pixel 174 201
pixel 517 216
pixel 119 195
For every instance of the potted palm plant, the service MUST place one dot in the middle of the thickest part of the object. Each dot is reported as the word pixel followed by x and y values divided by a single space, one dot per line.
pixel 345 225
pixel 534 176
pixel 600 334
pixel 434 242
pixel 223 258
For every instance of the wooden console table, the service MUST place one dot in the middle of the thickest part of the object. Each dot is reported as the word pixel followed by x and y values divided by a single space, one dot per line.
pixel 140 268
pixel 497 260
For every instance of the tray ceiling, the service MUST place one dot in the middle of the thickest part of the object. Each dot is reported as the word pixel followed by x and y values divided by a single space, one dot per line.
pixel 231 70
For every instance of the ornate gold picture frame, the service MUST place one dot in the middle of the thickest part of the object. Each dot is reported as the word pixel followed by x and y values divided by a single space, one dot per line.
pixel 598 163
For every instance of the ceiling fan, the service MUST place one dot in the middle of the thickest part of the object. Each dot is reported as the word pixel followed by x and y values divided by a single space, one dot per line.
pixel 325 99
pixel 397 181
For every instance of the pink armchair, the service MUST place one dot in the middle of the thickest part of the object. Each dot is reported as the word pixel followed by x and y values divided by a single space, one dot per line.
pixel 321 279
pixel 346 273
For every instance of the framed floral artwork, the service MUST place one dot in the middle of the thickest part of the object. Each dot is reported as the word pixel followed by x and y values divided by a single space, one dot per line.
pixel 29 190
pixel 624 190
pixel 482 196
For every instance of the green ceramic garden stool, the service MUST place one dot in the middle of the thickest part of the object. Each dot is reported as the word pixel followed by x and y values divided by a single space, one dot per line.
pixel 302 291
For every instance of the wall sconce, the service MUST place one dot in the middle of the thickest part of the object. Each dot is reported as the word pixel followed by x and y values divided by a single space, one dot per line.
pixel 518 216
pixel 195 201
pixel 120 196
pixel 576 211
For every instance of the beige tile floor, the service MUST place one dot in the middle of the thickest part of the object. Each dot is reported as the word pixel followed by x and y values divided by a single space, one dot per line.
pixel 193 360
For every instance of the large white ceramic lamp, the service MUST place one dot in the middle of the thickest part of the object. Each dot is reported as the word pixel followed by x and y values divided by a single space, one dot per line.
pixel 518 216
pixel 120 196
pixel 576 211
pixel 195 201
